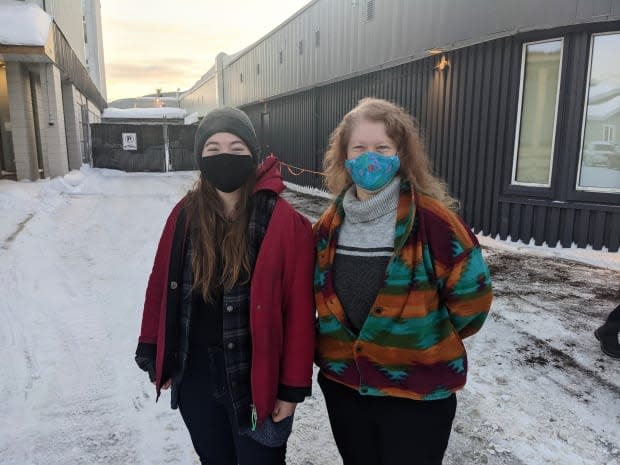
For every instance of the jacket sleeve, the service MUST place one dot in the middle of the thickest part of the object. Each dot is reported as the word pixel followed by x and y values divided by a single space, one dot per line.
pixel 467 291
pixel 299 313
pixel 156 286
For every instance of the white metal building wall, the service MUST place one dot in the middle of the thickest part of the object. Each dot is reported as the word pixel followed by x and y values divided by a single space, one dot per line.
pixel 68 16
pixel 94 46
pixel 351 42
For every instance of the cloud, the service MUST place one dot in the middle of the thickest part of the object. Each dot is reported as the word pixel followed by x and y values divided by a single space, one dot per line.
pixel 157 43
pixel 134 79
pixel 139 71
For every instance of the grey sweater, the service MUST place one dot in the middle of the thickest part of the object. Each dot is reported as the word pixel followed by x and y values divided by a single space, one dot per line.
pixel 365 245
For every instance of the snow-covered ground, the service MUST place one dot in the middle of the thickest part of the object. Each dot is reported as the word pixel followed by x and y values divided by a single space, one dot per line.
pixel 75 254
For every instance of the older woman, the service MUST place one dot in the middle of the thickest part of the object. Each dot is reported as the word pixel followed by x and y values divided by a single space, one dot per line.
pixel 399 283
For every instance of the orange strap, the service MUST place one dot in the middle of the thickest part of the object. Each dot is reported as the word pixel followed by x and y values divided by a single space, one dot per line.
pixel 297 171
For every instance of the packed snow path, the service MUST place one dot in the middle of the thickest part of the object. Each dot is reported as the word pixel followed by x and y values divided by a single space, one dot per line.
pixel 75 254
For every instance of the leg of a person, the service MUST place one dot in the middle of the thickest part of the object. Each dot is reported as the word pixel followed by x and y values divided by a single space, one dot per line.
pixel 207 420
pixel 614 316
pixel 413 432
pixel 251 452
pixel 351 424
pixel 248 451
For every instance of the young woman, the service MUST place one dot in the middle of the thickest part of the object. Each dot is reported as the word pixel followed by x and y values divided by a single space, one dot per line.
pixel 399 282
pixel 229 313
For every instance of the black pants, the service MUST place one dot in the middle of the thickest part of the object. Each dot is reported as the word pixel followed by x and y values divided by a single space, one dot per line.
pixel 371 430
pixel 614 316
pixel 207 411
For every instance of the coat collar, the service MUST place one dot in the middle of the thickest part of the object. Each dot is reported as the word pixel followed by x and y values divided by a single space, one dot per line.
pixel 399 271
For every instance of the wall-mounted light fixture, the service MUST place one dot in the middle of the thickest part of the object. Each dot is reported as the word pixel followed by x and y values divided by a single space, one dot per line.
pixel 443 64
pixel 434 51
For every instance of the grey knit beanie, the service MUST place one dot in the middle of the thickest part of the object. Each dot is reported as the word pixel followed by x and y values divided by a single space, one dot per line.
pixel 226 119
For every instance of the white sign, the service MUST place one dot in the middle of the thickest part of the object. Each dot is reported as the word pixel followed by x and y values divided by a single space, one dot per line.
pixel 130 141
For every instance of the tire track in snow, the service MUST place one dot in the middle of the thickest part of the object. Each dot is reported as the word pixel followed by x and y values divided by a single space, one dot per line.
pixel 20 227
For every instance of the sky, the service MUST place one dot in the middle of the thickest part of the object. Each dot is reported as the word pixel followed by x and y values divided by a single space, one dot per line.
pixel 168 44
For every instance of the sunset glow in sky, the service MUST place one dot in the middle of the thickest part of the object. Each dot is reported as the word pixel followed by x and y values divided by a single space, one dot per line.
pixel 170 44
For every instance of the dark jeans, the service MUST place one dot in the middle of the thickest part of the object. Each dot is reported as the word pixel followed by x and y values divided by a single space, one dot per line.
pixel 206 409
pixel 371 430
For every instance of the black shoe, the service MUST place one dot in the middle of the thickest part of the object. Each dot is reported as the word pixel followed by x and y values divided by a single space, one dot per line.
pixel 608 336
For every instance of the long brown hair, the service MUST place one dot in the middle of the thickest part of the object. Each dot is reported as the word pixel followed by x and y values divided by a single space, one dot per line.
pixel 211 229
pixel 404 131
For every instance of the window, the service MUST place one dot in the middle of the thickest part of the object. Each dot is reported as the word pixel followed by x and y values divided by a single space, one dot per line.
pixel 281 57
pixel 84 29
pixel 241 77
pixel 538 107
pixel 258 68
pixel 301 47
pixel 609 133
pixel 599 163
pixel 370 10
pixel 317 38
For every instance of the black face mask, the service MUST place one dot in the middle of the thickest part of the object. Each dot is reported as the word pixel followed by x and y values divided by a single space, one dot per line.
pixel 227 172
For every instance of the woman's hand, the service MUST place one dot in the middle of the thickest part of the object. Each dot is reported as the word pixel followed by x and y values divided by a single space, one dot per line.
pixel 166 385
pixel 282 410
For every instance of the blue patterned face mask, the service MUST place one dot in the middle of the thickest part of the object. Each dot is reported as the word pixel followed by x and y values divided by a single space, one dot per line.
pixel 371 171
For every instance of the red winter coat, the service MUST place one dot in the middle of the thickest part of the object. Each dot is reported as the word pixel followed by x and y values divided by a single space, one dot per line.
pixel 282 312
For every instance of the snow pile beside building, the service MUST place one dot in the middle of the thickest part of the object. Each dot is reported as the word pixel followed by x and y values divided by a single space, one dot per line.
pixel 23 24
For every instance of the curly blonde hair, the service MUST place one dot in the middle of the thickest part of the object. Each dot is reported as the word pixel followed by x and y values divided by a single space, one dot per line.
pixel 404 131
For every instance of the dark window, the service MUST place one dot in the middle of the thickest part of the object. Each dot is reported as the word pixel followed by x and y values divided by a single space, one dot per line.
pixel 301 47
pixel 241 77
pixel 370 10
pixel 541 67
pixel 258 68
pixel 281 57
pixel 317 38
pixel 84 28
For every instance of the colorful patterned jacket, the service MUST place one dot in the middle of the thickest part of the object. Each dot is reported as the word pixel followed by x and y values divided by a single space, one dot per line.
pixel 437 291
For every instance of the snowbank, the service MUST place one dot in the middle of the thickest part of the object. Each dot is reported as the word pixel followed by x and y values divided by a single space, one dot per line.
pixel 23 24
pixel 599 258
pixel 308 190
pixel 143 113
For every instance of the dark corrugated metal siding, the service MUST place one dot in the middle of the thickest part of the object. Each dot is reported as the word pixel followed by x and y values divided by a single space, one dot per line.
pixel 468 115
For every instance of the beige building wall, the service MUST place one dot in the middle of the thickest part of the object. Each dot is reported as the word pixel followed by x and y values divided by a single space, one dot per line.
pixel 68 15
pixel 72 115
pixel 44 117
pixel 94 44
pixel 53 138
pixel 5 123
pixel 22 121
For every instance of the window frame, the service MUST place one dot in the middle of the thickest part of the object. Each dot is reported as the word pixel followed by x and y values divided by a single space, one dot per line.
pixel 513 180
pixel 584 118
